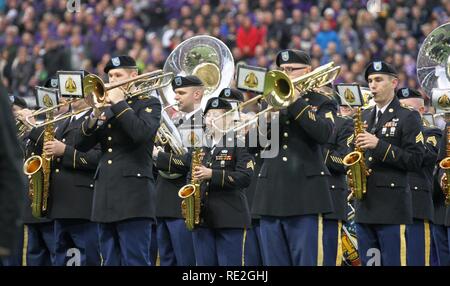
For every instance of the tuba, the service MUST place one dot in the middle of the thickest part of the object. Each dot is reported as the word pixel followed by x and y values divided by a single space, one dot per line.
pixel 357 173
pixel 211 61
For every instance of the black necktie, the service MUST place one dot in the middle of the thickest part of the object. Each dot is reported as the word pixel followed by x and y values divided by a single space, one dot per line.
pixel 379 114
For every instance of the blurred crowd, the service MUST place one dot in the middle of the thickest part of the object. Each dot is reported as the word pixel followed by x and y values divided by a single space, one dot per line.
pixel 37 38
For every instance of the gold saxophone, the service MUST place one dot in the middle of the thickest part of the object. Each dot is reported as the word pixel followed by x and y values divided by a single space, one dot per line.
pixel 190 206
pixel 445 165
pixel 357 173
pixel 37 168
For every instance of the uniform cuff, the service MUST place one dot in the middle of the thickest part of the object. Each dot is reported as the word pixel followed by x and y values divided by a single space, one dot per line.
pixel 218 178
pixel 120 108
pixel 382 150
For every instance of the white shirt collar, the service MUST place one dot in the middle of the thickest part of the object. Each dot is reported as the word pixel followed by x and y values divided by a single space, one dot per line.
pixel 79 115
pixel 383 109
pixel 190 114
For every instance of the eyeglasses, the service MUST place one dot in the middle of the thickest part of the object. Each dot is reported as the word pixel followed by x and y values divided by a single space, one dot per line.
pixel 290 69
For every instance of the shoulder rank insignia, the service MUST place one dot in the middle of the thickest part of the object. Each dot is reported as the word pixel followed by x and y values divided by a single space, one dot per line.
pixel 311 115
pixel 251 165
pixel 419 137
pixel 329 115
pixel 432 140
pixel 143 97
pixel 148 109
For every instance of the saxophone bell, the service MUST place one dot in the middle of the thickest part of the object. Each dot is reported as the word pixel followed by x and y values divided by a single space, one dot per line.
pixel 445 165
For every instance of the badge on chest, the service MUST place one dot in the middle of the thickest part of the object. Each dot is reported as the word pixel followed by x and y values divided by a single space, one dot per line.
pixel 389 128
pixel 222 157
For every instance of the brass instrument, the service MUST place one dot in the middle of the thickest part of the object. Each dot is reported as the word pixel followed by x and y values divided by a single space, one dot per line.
pixel 57 118
pixel 37 168
pixel 445 165
pixel 21 128
pixel 357 173
pixel 190 206
pixel 279 91
pixel 95 90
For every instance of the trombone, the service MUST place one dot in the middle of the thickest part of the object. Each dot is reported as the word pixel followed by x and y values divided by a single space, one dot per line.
pixel 279 91
pixel 95 90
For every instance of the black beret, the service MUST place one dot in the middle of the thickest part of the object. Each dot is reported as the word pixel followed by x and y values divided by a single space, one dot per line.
pixel 231 94
pixel 405 92
pixel 293 57
pixel 181 81
pixel 217 103
pixel 379 67
pixel 19 101
pixel 52 82
pixel 120 62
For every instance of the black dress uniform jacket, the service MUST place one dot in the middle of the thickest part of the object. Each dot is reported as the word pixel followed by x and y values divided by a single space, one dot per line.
pixel 295 182
pixel 72 178
pixel 124 184
pixel 12 183
pixel 33 146
pixel 335 150
pixel 399 150
pixel 224 203
pixel 421 182
pixel 168 203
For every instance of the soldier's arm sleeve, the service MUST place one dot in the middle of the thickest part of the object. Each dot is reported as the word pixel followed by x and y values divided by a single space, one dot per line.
pixel 409 155
pixel 74 159
pixel 238 178
pixel 141 125
pixel 318 126
pixel 432 139
pixel 334 156
pixel 172 163
pixel 86 138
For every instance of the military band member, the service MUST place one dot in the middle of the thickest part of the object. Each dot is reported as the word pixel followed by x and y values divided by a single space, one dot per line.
pixel 334 151
pixel 71 190
pixel 292 189
pixel 124 189
pixel 441 229
pixel 394 146
pixel 38 235
pixel 225 171
pixel 419 234
pixel 253 251
pixel 174 240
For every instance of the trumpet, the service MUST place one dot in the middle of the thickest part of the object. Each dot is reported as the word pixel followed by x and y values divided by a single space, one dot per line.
pixel 279 91
pixel 95 90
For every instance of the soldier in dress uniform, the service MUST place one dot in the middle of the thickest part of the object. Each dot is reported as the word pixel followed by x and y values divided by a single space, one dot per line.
pixel 252 251
pixel 441 231
pixel 174 240
pixel 292 189
pixel 38 236
pixel 394 145
pixel 71 191
pixel 225 172
pixel 334 151
pixel 419 233
pixel 124 188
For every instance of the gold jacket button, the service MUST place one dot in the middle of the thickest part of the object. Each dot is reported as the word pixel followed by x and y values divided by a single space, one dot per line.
pixel 284 159
pixel 110 150
pixel 109 138
pixel 322 173
pixel 392 185
pixel 286 134
pixel 91 185
pixel 332 186
pixel 57 170
pixel 64 140
pixel 287 122
pixel 110 162
pixel 138 175
pixel 58 160
pixel 109 125
pixel 284 147
pixel 370 159
pixel 415 188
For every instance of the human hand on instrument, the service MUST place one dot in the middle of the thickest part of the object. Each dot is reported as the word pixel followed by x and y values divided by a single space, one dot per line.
pixel 115 95
pixel 22 115
pixel 156 151
pixel 366 141
pixel 202 173
pixel 443 182
pixel 54 148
